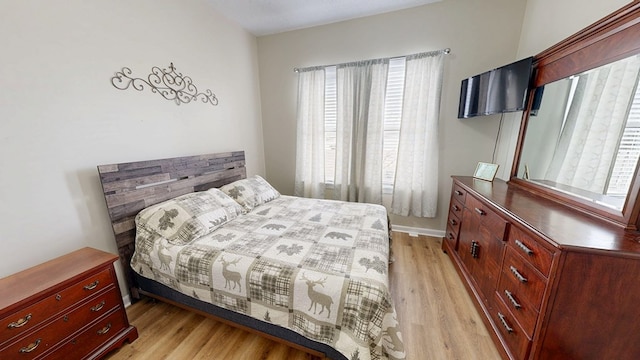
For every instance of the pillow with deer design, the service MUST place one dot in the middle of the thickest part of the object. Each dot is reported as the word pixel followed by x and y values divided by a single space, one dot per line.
pixel 251 192
pixel 185 218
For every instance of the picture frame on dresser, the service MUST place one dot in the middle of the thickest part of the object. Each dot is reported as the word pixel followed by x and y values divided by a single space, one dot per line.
pixel 485 171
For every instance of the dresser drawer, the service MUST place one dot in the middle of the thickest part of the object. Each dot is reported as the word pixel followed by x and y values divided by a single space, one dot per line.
pixel 63 326
pixel 531 250
pixel 21 321
pixel 453 229
pixel 515 338
pixel 494 223
pixel 93 337
pixel 458 193
pixel 520 308
pixel 453 222
pixel 456 208
pixel 529 283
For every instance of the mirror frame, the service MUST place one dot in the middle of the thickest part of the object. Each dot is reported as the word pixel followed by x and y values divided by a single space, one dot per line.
pixel 612 38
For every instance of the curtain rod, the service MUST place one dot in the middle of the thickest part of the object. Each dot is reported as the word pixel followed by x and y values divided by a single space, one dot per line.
pixel 446 51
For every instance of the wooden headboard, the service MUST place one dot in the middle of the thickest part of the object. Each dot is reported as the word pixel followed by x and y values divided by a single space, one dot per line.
pixel 131 187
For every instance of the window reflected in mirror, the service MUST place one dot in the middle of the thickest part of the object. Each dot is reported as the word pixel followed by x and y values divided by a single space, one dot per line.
pixel 583 134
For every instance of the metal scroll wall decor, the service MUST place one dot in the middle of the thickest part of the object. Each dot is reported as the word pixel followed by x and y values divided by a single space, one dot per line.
pixel 169 83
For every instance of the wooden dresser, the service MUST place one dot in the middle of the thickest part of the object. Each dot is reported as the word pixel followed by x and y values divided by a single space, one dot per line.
pixel 551 282
pixel 66 308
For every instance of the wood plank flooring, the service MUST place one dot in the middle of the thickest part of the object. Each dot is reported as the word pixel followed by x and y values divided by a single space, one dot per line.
pixel 437 318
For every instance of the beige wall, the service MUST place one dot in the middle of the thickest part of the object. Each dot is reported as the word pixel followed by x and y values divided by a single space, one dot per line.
pixel 481 34
pixel 60 116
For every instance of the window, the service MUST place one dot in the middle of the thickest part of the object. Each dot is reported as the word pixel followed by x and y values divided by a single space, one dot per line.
pixel 392 119
pixel 628 152
pixel 397 101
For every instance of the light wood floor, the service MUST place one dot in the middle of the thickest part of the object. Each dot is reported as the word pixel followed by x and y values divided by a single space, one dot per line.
pixel 436 315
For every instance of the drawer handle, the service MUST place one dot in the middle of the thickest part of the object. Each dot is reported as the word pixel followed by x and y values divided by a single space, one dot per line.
pixel 524 247
pixel 458 192
pixel 453 222
pixel 450 236
pixel 105 329
pixel 98 307
pixel 474 249
pixel 517 274
pixel 29 348
pixel 512 299
pixel 20 323
pixel 92 286
pixel 505 324
pixel 480 211
pixel 456 208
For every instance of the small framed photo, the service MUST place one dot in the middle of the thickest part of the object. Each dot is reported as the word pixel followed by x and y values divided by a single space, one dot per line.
pixel 485 171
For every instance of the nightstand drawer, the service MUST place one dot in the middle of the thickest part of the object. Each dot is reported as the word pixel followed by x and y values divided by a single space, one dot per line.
pixel 63 326
pixel 93 337
pixel 33 315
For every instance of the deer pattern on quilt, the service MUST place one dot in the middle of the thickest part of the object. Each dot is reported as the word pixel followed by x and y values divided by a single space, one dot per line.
pixel 231 276
pixel 317 297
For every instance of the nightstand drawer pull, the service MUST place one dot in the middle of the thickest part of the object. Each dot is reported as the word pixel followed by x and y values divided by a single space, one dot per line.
pixel 505 324
pixel 458 192
pixel 92 286
pixel 512 299
pixel 517 274
pixel 98 307
pixel 20 323
pixel 456 208
pixel 480 211
pixel 105 329
pixel 453 222
pixel 29 348
pixel 450 236
pixel 524 247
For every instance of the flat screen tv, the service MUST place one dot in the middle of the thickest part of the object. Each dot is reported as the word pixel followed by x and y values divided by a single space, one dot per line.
pixel 500 90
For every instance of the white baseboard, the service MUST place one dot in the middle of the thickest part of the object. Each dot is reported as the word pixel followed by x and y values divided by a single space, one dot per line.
pixel 418 231
pixel 126 300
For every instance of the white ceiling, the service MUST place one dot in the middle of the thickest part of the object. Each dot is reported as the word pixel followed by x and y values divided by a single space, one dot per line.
pixel 264 17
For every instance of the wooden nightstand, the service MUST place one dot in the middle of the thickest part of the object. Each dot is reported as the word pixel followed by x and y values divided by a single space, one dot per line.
pixel 69 307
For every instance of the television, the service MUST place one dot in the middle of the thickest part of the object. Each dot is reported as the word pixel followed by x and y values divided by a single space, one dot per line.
pixel 500 90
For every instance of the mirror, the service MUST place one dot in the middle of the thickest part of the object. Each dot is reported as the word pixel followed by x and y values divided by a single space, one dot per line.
pixel 583 134
pixel 579 139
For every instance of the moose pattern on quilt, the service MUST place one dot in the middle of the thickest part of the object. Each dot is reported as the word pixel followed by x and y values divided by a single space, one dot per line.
pixel 317 267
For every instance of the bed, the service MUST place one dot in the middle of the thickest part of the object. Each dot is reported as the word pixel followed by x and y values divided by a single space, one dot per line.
pixel 196 232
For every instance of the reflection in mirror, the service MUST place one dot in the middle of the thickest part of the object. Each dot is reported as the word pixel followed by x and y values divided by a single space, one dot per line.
pixel 584 138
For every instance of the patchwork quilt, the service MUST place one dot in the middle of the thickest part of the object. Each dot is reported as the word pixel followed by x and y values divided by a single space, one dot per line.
pixel 317 267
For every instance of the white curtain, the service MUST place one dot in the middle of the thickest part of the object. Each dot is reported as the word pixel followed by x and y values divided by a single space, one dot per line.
pixel 359 137
pixel 588 144
pixel 416 181
pixel 309 180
